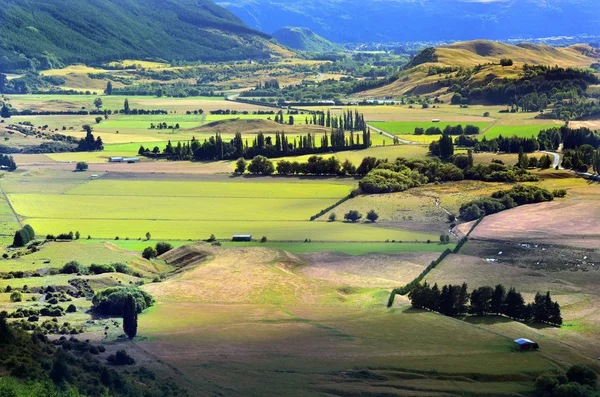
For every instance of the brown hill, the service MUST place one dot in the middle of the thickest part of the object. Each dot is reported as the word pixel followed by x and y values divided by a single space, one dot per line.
pixel 254 126
pixel 419 80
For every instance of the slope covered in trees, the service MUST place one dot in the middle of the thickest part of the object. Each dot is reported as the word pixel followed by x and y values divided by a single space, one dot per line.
pixel 50 33
pixel 304 39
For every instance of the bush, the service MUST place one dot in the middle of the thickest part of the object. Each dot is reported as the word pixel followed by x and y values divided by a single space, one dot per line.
pixel 81 166
pixel 332 217
pixel 121 268
pixel 149 253
pixel 16 296
pixel 111 301
pixel 72 267
pixel 162 248
pixel 353 216
pixel 582 375
pixel 263 239
pixel 372 216
pixel 101 269
pixel 71 309
pixel 121 358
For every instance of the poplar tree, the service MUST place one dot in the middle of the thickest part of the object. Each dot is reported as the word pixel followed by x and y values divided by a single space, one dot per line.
pixel 130 317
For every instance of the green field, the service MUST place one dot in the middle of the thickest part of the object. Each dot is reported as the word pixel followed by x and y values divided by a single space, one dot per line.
pixel 522 131
pixel 408 127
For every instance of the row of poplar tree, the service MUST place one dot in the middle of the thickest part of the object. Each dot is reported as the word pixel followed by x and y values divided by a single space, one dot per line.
pixel 455 300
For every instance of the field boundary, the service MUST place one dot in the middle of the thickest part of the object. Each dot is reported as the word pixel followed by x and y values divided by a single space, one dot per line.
pixel 333 206
pixel 408 287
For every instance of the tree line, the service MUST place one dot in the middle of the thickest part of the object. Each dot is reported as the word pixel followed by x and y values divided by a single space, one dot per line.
pixel 455 300
pixel 215 148
pixel 507 199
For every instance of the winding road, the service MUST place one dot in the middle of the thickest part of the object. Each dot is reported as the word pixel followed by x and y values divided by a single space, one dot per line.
pixel 392 137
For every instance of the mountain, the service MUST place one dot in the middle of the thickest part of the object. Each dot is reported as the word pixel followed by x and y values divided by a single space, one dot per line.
pixel 343 21
pixel 48 33
pixel 304 39
pixel 424 74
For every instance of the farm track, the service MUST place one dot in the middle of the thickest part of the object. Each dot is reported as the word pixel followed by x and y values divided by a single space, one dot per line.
pixel 393 137
pixel 11 207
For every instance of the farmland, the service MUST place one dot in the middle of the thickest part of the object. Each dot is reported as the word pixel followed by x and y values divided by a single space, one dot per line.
pixel 300 309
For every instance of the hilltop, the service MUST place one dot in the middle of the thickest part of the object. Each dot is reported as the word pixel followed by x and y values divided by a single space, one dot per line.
pixel 51 33
pixel 423 73
pixel 304 39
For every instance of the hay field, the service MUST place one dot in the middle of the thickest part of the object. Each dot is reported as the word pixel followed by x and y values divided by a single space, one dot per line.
pixel 278 208
pixel 408 128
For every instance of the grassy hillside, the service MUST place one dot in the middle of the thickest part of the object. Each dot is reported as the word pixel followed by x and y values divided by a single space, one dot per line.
pixel 304 39
pixel 422 75
pixel 48 33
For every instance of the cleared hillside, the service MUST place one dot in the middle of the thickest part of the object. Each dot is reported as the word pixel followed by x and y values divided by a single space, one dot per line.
pixel 245 126
pixel 50 33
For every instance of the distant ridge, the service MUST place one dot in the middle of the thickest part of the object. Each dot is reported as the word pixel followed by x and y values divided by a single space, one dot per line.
pixel 51 33
pixel 304 39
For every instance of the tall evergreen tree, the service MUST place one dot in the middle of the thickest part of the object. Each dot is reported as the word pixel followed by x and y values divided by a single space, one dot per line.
pixel 130 318
pixel 126 108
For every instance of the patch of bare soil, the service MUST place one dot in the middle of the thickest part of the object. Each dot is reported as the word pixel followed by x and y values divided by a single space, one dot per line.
pixel 575 223
pixel 372 270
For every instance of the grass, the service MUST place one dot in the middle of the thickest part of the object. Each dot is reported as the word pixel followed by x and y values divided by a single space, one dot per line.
pixel 348 248
pixel 522 131
pixel 408 128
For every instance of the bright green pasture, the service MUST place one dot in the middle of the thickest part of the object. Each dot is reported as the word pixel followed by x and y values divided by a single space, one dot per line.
pixel 248 188
pixel 224 229
pixel 166 207
pixel 522 131
pixel 408 127
pixel 349 248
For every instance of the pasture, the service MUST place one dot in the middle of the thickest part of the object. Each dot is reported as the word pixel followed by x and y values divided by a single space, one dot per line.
pixel 195 208
pixel 408 128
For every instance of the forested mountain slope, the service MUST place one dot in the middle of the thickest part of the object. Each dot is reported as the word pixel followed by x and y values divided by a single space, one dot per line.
pixel 344 21
pixel 48 33
pixel 304 39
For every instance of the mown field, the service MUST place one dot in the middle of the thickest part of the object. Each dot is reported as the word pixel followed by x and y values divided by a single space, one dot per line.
pixel 278 208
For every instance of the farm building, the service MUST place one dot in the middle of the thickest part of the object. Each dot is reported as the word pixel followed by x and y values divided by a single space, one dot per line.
pixel 242 237
pixel 526 344
pixel 131 160
pixel 116 159
pixel 435 120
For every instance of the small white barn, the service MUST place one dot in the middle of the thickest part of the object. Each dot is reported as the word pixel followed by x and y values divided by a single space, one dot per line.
pixel 115 159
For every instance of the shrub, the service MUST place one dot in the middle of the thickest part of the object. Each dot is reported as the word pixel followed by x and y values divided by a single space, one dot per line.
pixel 71 309
pixel 16 296
pixel 101 269
pixel 149 253
pixel 372 216
pixel 121 268
pixel 81 166
pixel 332 217
pixel 94 350
pixel 162 248
pixel 263 239
pixel 72 267
pixel 111 300
pixel 353 216
pixel 121 358
pixel 582 375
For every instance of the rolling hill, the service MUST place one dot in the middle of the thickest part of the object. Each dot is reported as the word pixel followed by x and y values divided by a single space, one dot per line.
pixel 419 78
pixel 343 21
pixel 51 33
pixel 304 39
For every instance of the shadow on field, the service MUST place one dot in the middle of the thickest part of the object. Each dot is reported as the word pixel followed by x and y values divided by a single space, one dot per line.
pixel 487 320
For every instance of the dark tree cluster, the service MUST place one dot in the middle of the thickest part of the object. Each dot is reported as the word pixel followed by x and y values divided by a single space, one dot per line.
pixel 455 300
pixel 110 302
pixel 503 200
pixel 449 130
pixel 7 162
pixel 578 381
pixel 23 236
pixel 68 367
pixel 89 143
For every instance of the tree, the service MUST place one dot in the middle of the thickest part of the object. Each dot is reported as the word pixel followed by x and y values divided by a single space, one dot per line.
pixel 240 166
pixel 149 253
pixel 470 158
pixel 148 236
pixel 332 217
pixel 261 165
pixel 126 108
pixel 162 248
pixel 446 146
pixel 109 88
pixel 506 62
pixel 353 216
pixel 523 161
pixel 77 235
pixel 498 297
pixel 98 119
pixel 372 216
pixel 130 322
pixel 514 304
pixel 481 301
pixel 582 375
pixel 98 103
pixel 87 128
pixel 5 112
pixel 16 296
pixel 81 166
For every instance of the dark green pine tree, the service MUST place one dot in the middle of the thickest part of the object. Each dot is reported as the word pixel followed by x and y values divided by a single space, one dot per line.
pixel 130 317
pixel 126 108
